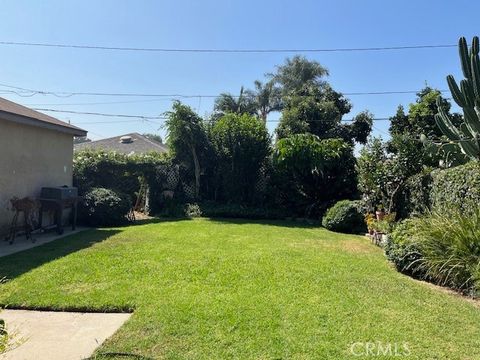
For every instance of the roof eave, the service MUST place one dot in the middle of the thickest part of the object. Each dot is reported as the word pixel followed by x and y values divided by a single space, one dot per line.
pixel 25 120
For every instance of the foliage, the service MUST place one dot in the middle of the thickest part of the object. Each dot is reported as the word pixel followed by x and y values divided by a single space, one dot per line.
pixel 449 244
pixel 105 207
pixel 187 140
pixel 244 103
pixel 267 98
pixel 382 175
pixel 370 221
pixel 192 210
pixel 465 136
pixel 420 118
pixel 346 217
pixel 415 198
pixel 311 105
pixel 458 188
pixel 154 137
pixel 3 336
pixel 121 173
pixel 385 225
pixel 401 250
pixel 312 173
pixel 242 145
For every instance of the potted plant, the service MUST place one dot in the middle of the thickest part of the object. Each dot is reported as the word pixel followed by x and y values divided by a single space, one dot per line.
pixel 380 213
pixel 370 221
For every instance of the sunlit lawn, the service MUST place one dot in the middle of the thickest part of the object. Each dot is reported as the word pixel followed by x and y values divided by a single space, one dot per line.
pixel 205 289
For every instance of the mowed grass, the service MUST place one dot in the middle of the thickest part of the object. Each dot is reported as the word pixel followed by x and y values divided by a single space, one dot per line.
pixel 206 289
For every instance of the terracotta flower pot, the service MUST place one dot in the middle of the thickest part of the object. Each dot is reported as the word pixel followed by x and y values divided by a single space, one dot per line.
pixel 380 214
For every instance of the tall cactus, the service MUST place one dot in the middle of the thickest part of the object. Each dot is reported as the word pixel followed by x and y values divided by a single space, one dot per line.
pixel 467 96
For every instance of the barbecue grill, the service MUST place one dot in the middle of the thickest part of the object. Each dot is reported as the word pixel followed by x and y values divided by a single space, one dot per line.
pixel 58 199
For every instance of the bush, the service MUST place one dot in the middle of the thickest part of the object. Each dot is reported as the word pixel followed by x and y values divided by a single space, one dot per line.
pixel 441 247
pixel 105 207
pixel 345 216
pixel 401 250
pixel 415 197
pixel 458 187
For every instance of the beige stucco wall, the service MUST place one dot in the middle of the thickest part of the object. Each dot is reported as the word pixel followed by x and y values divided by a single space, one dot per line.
pixel 30 158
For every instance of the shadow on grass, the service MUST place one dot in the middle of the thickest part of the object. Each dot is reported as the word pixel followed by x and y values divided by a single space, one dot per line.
pixel 19 263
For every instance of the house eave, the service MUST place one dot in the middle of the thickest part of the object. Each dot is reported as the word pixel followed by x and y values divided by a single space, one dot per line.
pixel 25 120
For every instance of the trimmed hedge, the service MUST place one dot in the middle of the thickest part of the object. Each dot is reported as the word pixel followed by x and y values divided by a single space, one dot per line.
pixel 104 207
pixel 345 216
pixel 458 188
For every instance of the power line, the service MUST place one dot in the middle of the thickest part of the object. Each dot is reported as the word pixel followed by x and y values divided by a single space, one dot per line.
pixel 258 51
pixel 64 94
pixel 149 117
pixel 142 117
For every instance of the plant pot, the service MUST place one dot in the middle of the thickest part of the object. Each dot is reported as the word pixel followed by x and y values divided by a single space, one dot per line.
pixel 380 214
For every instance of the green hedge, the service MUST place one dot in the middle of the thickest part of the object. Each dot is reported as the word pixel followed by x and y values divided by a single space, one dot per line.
pixel 345 216
pixel 458 187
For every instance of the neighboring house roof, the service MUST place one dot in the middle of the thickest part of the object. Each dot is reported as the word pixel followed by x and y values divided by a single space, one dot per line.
pixel 14 112
pixel 133 143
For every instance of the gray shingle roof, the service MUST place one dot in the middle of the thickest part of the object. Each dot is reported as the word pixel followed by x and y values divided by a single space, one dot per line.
pixel 11 111
pixel 139 145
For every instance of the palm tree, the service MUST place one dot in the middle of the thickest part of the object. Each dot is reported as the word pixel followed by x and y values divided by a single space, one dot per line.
pixel 242 104
pixel 267 98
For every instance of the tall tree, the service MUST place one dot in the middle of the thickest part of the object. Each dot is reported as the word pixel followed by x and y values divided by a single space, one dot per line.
pixel 244 103
pixel 298 75
pixel 267 98
pixel 186 137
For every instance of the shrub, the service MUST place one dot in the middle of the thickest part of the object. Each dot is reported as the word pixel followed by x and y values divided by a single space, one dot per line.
pixel 450 248
pixel 192 210
pixel 457 187
pixel 345 216
pixel 441 247
pixel 105 207
pixel 402 251
pixel 415 197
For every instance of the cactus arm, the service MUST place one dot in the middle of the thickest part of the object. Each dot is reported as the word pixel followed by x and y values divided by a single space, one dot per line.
pixel 446 126
pixel 476 74
pixel 467 91
pixel 464 58
pixel 456 93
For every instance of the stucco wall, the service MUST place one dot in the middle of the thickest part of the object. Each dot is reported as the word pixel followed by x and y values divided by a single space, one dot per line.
pixel 30 158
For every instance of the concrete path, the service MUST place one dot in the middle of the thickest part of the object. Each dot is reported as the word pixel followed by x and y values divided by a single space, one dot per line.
pixel 46 335
pixel 21 243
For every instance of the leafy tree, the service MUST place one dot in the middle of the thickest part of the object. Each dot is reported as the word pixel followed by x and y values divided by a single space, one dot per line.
pixel 186 138
pixel 154 137
pixel 314 173
pixel 80 139
pixel 311 105
pixel 420 118
pixel 242 145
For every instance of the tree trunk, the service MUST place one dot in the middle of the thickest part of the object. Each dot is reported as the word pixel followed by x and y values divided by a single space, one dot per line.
pixel 196 165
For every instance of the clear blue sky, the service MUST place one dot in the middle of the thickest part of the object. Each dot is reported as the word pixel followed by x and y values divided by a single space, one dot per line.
pixel 223 24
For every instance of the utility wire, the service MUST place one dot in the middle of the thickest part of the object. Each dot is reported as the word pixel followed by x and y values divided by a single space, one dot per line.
pixel 142 117
pixel 64 94
pixel 183 50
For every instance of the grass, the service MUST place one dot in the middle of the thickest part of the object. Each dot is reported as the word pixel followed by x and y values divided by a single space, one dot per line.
pixel 205 289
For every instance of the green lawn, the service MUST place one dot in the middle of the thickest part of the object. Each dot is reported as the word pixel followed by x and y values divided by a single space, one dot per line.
pixel 205 289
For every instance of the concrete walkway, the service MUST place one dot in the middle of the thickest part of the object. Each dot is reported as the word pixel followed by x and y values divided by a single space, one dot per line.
pixel 44 335
pixel 21 243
